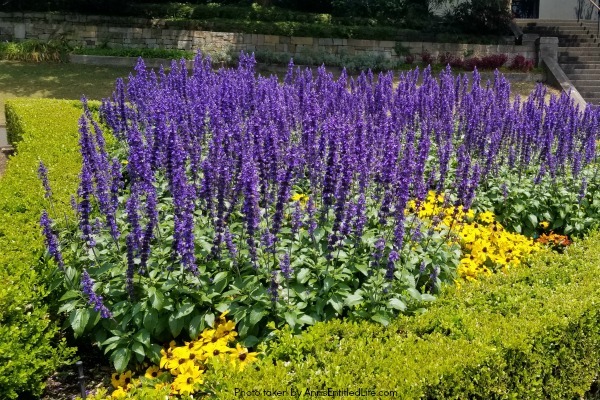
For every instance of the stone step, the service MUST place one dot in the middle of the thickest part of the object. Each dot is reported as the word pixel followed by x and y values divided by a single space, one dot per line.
pixel 588 84
pixel 581 69
pixel 585 76
pixel 578 51
pixel 595 59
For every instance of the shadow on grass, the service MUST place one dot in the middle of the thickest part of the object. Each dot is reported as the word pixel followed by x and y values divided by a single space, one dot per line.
pixel 63 81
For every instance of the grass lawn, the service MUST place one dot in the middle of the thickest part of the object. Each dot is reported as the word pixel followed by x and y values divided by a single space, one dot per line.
pixel 62 81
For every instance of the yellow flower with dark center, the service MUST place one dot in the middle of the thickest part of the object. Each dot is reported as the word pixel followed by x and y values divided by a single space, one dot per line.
pixel 217 349
pixel 121 380
pixel 301 198
pixel 183 364
pixel 226 331
pixel 544 224
pixel 167 360
pixel 242 357
pixel 185 382
pixel 153 372
pixel 486 217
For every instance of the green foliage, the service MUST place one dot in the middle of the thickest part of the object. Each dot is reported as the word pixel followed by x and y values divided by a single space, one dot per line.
pixel 490 16
pixel 530 334
pixel 30 349
pixel 169 302
pixel 521 203
pixel 374 62
pixel 34 50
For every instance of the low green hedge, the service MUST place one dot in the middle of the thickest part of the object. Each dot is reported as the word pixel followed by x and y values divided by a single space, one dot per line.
pixel 534 334
pixel 30 347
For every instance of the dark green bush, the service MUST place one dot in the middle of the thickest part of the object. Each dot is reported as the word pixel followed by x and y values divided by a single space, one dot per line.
pixel 531 334
pixel 30 348
pixel 492 17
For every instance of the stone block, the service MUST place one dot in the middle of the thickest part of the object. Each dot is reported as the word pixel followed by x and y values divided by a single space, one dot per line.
pixel 271 39
pixel 302 41
pixel 340 42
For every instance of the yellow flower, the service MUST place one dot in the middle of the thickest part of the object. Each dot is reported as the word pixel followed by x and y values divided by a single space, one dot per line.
pixel 168 360
pixel 153 372
pixel 222 319
pixel 217 349
pixel 486 217
pixel 188 352
pixel 301 198
pixel 118 393
pixel 184 383
pixel 241 357
pixel 226 331
pixel 121 380
pixel 544 224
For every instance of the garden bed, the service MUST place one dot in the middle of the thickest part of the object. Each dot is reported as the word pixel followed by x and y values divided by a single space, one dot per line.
pixel 529 331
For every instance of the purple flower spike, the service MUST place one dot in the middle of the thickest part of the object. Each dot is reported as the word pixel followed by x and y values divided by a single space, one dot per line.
pixel 43 175
pixel 87 287
pixel 51 239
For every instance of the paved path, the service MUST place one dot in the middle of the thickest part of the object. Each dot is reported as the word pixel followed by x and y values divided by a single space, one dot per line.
pixel 3 140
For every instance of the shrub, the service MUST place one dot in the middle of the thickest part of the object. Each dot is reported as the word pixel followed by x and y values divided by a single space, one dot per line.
pixel 520 63
pixel 30 348
pixel 532 333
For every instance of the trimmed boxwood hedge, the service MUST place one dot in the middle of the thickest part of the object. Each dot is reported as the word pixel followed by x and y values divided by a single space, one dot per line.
pixel 533 334
pixel 30 347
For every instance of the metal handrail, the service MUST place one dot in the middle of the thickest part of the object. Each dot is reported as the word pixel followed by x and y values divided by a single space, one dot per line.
pixel 597 8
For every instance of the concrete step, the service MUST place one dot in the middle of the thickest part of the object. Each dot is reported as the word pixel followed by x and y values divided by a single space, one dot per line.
pixel 588 84
pixel 578 51
pixel 574 59
pixel 584 76
pixel 580 69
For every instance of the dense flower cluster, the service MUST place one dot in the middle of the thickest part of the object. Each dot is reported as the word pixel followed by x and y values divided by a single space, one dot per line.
pixel 489 247
pixel 181 368
pixel 486 245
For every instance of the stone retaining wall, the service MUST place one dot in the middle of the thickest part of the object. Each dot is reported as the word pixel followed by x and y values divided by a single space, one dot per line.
pixel 115 32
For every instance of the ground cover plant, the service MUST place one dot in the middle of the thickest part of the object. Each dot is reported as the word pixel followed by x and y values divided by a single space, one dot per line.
pixel 291 203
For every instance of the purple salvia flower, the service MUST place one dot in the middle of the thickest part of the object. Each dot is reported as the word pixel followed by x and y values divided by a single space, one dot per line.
pixel 284 266
pixel 296 218
pixel 43 175
pixel 228 237
pixel 85 206
pixel 312 221
pixel 131 248
pixel 51 239
pixel 87 287
pixel 273 289
pixel 391 265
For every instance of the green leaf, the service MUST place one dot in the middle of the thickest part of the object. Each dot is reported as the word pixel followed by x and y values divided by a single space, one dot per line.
pixel 158 300
pixel 256 314
pixel 175 325
pixel 154 353
pixel 143 336
pixel 184 309
pixel 353 299
pixel 397 304
pixel 71 294
pixel 150 320
pixel 414 293
pixel 138 348
pixel 210 319
pixel 79 319
pixel 533 220
pixel 328 283
pixel 196 325
pixel 290 318
pixel 121 359
pixel 381 318
pixel 303 275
